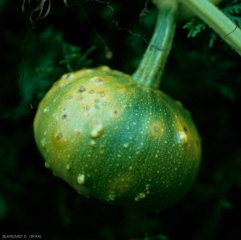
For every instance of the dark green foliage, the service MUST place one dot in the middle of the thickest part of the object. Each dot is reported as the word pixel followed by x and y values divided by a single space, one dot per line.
pixel 206 80
pixel 232 9
pixel 195 26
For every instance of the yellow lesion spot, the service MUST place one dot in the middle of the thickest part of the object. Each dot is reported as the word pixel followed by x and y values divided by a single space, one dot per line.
pixel 116 113
pixel 121 89
pixel 157 129
pixel 120 184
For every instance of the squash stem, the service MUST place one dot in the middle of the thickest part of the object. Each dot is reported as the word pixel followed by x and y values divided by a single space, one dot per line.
pixel 152 65
pixel 218 21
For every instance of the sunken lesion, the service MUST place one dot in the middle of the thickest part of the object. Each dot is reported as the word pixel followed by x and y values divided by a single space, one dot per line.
pixel 115 113
pixel 59 136
pixel 156 129
pixel 64 116
pixel 81 89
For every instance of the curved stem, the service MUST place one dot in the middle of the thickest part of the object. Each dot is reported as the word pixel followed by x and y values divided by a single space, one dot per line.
pixel 152 65
pixel 218 21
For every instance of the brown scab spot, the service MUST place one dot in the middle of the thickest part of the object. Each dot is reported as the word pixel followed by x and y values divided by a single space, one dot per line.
pixel 96 80
pixel 80 98
pixel 81 89
pixel 64 116
pixel 156 129
pixel 185 129
pixel 116 113
pixel 99 80
pixel 59 136
pixel 67 76
pixel 86 108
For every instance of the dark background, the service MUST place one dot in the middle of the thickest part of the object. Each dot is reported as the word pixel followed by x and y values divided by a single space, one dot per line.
pixel 206 80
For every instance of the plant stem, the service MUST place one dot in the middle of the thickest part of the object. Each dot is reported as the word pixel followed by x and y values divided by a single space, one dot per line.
pixel 218 21
pixel 152 65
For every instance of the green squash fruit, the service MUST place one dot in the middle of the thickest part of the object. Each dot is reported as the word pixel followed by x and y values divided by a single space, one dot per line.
pixel 113 139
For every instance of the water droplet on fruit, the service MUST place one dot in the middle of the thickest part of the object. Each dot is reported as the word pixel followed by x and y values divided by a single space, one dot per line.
pixel 140 196
pixel 183 137
pixel 46 110
pixel 43 142
pixel 148 188
pixel 46 164
pixel 96 132
pixel 92 91
pixel 93 143
pixel 126 145
pixel 68 167
pixel 102 94
pixel 111 197
pixel 81 179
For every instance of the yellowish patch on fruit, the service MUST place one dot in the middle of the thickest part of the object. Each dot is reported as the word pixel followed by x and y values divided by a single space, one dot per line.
pixel 156 129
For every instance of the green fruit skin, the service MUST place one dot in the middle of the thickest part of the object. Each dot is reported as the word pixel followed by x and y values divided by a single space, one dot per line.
pixel 115 140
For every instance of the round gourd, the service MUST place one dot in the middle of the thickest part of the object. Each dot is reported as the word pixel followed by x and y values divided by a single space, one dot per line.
pixel 115 137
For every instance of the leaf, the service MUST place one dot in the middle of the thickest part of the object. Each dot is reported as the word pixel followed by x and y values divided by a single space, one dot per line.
pixel 213 38
pixel 195 26
pixel 233 11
